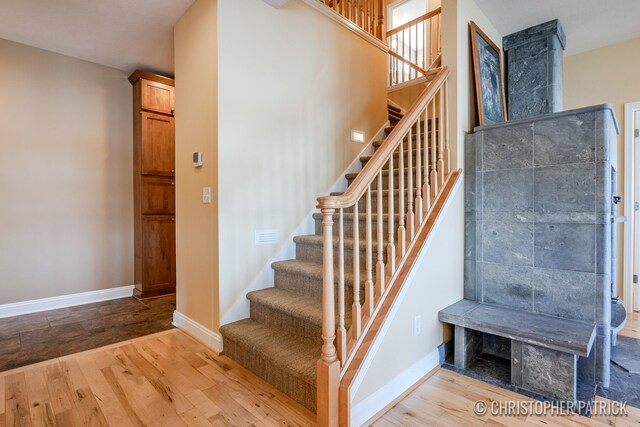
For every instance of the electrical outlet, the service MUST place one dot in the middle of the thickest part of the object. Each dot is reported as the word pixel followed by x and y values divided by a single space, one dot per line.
pixel 206 195
pixel 417 325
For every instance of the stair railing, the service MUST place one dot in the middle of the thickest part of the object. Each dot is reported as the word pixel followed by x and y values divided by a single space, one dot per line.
pixel 414 47
pixel 366 14
pixel 422 134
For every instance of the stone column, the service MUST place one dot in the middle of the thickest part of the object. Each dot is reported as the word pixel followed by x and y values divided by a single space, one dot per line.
pixel 534 70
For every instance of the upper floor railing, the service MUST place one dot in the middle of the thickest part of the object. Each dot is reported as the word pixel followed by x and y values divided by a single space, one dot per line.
pixel 415 47
pixel 366 14
pixel 368 232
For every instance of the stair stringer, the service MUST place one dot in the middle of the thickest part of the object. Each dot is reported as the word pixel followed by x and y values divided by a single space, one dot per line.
pixel 265 278
pixel 362 406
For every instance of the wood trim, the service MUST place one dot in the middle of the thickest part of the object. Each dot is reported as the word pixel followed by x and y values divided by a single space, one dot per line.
pixel 353 363
pixel 330 13
pixel 475 32
pixel 360 184
pixel 411 23
pixel 139 74
pixel 409 63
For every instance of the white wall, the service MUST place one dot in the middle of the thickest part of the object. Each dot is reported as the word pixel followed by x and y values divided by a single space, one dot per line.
pixel 292 83
pixel 435 282
pixel 66 168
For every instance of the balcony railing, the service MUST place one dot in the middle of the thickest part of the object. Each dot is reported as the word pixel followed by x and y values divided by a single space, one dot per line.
pixel 414 48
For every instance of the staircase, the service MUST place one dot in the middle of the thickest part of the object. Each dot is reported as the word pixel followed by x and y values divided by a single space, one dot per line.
pixel 312 329
pixel 281 340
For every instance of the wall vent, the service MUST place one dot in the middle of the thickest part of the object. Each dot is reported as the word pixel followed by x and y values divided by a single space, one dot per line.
pixel 266 237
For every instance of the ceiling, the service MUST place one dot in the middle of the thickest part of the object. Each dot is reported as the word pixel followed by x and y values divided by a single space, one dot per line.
pixel 588 24
pixel 124 34
pixel 130 34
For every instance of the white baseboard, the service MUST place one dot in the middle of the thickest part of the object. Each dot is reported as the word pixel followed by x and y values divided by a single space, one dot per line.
pixel 240 308
pixel 52 303
pixel 376 402
pixel 203 334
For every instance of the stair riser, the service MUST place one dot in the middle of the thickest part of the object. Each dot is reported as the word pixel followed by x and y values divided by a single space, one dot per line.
pixel 362 204
pixel 314 253
pixel 286 322
pixel 362 228
pixel 414 127
pixel 396 181
pixel 299 390
pixel 396 163
pixel 312 286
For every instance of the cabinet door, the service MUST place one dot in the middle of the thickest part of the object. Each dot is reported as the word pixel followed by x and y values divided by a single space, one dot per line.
pixel 158 145
pixel 157 97
pixel 158 195
pixel 158 245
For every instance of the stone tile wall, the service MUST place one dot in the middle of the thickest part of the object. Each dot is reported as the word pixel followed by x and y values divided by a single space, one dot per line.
pixel 534 70
pixel 537 219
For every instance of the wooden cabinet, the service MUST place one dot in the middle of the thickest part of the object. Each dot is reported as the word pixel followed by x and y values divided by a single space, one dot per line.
pixel 154 185
pixel 158 148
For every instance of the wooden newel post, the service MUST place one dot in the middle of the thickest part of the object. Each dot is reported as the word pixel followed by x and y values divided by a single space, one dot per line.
pixel 328 367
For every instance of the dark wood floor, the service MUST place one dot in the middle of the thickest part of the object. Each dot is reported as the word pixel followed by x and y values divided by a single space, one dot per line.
pixel 37 337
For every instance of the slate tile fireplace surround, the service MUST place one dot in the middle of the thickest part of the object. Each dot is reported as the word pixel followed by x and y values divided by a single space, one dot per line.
pixel 538 234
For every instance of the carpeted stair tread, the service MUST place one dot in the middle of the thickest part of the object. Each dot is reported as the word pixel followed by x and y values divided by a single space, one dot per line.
pixel 288 352
pixel 385 172
pixel 349 216
pixel 317 239
pixel 307 268
pixel 374 193
pixel 291 303
pixel 396 155
pixel 391 107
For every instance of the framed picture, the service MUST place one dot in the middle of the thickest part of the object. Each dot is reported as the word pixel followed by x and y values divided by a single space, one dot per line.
pixel 487 67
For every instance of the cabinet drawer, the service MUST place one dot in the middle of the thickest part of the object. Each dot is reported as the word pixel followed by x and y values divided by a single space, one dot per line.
pixel 158 195
pixel 157 97
pixel 159 248
pixel 158 145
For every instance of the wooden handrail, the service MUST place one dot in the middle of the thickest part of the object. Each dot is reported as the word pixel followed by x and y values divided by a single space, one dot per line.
pixel 409 63
pixel 411 23
pixel 359 186
pixel 421 135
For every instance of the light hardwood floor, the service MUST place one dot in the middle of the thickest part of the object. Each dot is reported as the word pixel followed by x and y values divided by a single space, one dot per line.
pixel 166 379
pixel 447 399
pixel 632 328
pixel 169 379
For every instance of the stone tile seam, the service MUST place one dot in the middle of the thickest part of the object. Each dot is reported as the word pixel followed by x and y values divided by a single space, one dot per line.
pixel 540 268
pixel 533 206
pixel 542 166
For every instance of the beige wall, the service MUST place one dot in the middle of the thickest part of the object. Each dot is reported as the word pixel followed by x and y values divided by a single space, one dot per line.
pixel 406 96
pixel 436 283
pixel 456 48
pixel 66 222
pixel 606 75
pixel 196 130
pixel 290 88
